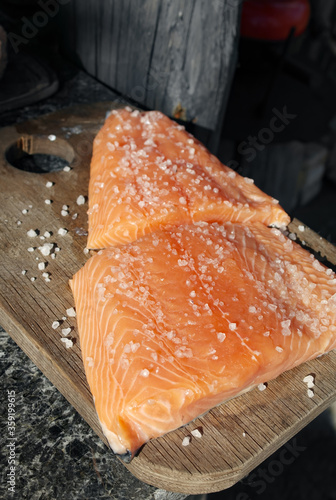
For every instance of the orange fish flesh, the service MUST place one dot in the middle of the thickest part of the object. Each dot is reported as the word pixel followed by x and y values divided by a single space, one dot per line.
pixel 148 173
pixel 183 319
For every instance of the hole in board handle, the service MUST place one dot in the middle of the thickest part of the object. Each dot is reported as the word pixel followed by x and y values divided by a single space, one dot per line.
pixel 40 155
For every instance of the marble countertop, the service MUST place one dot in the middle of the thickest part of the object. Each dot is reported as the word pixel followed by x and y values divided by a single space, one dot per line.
pixel 57 455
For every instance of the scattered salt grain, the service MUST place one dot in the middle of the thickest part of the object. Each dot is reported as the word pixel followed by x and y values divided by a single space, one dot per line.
pixel 80 200
pixel 66 168
pixel 68 343
pixel 182 200
pixel 71 313
pixel 301 228
pixel 244 434
pixel 32 279
pixel 144 373
pixel 262 387
pixel 24 211
pixel 74 217
pixel 310 393
pixel 19 223
pixel 197 433
pixel 64 213
pixel 232 326
pixel 52 137
pixel 42 265
pixel 66 331
pixel 86 251
pixel 47 234
pixel 292 236
pixel 46 249
pixel 308 378
pixel 278 348
pixel 31 249
pixel 31 233
pixel 62 231
pixel 24 272
pixel 90 361
pixel 48 202
pixel 221 336
pixel 49 184
pixel 45 275
pixel 186 441
pixel 55 325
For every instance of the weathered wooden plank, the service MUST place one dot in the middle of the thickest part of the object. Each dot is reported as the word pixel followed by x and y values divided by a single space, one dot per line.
pixel 238 435
pixel 172 55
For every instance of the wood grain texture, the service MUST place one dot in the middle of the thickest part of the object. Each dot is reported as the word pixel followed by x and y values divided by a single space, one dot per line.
pixel 173 55
pixel 237 435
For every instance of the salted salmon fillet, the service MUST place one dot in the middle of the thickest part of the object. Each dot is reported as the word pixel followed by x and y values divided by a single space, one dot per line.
pixel 183 319
pixel 148 173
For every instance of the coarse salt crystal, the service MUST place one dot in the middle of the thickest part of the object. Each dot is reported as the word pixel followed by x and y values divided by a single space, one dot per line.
pixel 68 343
pixel 24 272
pixel 45 275
pixel 262 387
pixel 31 233
pixel 301 228
pixel 64 213
pixel 186 441
pixel 192 293
pixel 24 211
pixel 55 325
pixel 66 331
pixel 49 184
pixel 221 336
pixel 52 137
pixel 144 373
pixel 232 326
pixel 31 249
pixel 32 279
pixel 19 222
pixel 310 393
pixel 66 168
pixel 197 433
pixel 80 200
pixel 65 207
pixel 41 265
pixel 47 202
pixel 308 378
pixel 182 200
pixel 62 231
pixel 278 348
pixel 47 234
pixel 46 249
pixel 71 313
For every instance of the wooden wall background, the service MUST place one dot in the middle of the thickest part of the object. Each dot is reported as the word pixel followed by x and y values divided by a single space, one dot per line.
pixel 174 55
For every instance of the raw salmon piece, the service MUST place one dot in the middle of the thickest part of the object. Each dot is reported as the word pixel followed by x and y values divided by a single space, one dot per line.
pixel 148 173
pixel 183 319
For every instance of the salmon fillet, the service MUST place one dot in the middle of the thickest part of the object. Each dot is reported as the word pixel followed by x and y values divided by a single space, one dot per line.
pixel 183 319
pixel 148 173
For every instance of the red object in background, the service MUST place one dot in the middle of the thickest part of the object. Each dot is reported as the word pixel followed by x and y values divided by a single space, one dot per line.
pixel 273 19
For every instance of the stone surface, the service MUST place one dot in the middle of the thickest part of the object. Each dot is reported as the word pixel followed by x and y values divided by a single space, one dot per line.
pixel 57 455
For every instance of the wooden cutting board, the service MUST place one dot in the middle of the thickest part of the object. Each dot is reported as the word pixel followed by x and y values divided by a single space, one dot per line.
pixel 237 435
